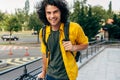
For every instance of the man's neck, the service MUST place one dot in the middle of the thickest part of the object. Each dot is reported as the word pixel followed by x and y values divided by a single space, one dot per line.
pixel 55 28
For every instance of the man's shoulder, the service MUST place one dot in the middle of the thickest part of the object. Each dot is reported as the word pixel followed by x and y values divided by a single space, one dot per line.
pixel 74 24
pixel 45 29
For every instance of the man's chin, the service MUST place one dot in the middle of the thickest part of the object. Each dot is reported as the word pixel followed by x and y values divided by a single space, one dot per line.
pixel 53 24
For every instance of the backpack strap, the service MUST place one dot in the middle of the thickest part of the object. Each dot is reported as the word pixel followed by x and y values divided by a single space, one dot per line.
pixel 43 38
pixel 66 31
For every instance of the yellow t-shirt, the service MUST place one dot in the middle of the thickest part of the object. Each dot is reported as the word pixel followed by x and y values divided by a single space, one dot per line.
pixel 76 36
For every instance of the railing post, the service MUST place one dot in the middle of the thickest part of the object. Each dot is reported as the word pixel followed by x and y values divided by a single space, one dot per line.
pixel 87 53
pixel 91 50
pixel 80 58
pixel 26 76
pixel 95 49
pixel 25 70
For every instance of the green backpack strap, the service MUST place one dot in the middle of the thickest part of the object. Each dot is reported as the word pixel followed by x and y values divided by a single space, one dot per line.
pixel 43 38
pixel 66 31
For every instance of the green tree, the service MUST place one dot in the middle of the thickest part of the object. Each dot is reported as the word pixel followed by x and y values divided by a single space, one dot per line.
pixel 13 25
pixel 1 16
pixel 27 7
pixel 2 20
pixel 90 23
pixel 85 16
pixel 113 30
pixel 21 16
pixel 100 12
pixel 76 12
pixel 110 12
pixel 110 7
pixel 116 19
pixel 26 11
pixel 35 23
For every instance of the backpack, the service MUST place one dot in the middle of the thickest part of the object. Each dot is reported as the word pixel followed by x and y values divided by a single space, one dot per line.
pixel 66 33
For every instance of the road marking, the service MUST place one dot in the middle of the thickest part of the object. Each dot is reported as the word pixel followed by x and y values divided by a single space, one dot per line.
pixel 9 61
pixel 3 47
pixel 4 68
pixel 12 62
pixel 19 61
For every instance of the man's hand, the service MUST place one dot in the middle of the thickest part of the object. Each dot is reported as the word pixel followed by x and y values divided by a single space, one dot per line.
pixel 41 75
pixel 68 46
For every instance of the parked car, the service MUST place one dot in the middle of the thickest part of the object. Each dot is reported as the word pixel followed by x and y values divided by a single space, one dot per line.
pixel 34 33
pixel 7 37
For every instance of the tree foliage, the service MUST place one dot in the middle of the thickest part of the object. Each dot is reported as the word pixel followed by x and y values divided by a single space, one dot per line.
pixel 1 16
pixel 110 12
pixel 20 14
pixel 34 22
pixel 89 21
pixel 13 24
pixel 27 7
pixel 89 17
pixel 1 19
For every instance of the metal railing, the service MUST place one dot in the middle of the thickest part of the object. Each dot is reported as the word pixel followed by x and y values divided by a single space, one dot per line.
pixel 113 44
pixel 89 53
pixel 27 71
pixel 30 70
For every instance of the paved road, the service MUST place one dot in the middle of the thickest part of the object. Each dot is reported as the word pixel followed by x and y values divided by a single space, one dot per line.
pixel 104 66
pixel 18 51
pixel 24 37
pixel 18 58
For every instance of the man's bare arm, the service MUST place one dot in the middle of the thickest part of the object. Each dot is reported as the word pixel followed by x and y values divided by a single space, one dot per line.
pixel 44 63
pixel 69 47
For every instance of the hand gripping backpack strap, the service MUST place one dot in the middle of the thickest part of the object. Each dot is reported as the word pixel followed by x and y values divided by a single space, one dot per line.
pixel 43 38
pixel 66 33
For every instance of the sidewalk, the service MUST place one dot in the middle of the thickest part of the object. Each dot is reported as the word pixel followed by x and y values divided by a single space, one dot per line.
pixel 105 66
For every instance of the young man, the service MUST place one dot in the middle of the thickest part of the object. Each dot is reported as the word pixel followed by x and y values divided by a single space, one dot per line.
pixel 60 64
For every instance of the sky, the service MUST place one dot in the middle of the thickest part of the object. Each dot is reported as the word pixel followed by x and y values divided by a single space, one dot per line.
pixel 10 5
pixel 105 3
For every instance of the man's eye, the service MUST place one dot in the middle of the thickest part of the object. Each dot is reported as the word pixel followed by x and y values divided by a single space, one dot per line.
pixel 48 12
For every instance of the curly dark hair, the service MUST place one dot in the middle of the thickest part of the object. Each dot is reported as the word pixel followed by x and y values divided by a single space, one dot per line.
pixel 61 4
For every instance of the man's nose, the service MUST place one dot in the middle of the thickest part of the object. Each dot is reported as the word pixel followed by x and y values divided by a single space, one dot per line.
pixel 52 15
